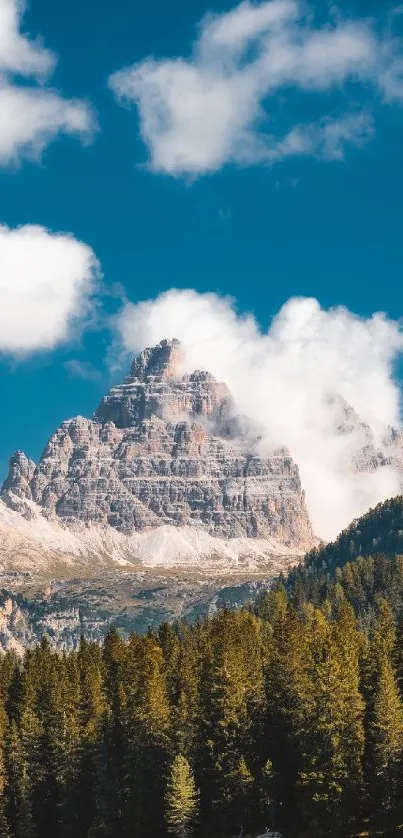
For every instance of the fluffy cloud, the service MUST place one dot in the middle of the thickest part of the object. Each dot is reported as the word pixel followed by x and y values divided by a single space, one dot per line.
pixel 198 114
pixel 46 285
pixel 31 115
pixel 283 380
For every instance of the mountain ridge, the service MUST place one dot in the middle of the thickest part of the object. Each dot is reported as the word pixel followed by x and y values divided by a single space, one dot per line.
pixel 165 448
pixel 154 507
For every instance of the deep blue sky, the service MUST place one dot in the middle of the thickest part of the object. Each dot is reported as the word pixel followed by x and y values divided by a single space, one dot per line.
pixel 331 230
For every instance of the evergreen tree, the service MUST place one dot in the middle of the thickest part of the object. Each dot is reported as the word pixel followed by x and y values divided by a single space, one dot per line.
pixel 231 703
pixel 4 825
pixel 91 710
pixel 20 788
pixel 387 736
pixel 181 799
pixel 146 724
pixel 268 792
pixel 333 742
pixel 112 786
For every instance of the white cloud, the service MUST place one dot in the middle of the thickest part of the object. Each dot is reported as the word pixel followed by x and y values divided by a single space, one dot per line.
pixel 325 138
pixel 46 285
pixel 30 119
pixel 282 379
pixel 17 53
pixel 199 113
pixel 31 115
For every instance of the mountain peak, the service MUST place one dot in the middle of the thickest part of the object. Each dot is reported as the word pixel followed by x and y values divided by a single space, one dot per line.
pixel 157 386
pixel 161 361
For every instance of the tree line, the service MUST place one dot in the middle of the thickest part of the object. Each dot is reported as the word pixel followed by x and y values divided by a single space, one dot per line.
pixel 288 715
pixel 379 532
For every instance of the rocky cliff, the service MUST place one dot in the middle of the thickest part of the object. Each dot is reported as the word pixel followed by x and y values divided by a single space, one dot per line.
pixel 164 448
pixel 362 452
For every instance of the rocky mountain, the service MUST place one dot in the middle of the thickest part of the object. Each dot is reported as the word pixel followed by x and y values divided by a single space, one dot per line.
pixel 165 503
pixel 164 449
pixel 364 453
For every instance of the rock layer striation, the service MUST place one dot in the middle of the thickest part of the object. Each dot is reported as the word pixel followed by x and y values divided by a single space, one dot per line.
pixel 165 448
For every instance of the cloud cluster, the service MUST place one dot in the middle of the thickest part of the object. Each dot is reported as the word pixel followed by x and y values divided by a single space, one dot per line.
pixel 283 379
pixel 216 107
pixel 31 115
pixel 46 284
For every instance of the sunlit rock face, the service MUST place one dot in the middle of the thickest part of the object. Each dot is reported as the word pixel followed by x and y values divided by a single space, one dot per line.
pixel 155 387
pixel 166 448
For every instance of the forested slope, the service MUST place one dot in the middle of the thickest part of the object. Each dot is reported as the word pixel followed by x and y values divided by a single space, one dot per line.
pixel 287 714
pixel 291 719
pixel 378 533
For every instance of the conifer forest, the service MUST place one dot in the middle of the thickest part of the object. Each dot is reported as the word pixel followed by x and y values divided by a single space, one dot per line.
pixel 284 715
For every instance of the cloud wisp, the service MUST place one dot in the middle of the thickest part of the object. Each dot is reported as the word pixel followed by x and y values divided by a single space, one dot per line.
pixel 47 283
pixel 217 106
pixel 31 114
pixel 82 369
pixel 283 378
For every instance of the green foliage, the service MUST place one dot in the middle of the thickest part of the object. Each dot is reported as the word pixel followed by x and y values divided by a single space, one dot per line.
pixel 378 533
pixel 288 715
pixel 181 799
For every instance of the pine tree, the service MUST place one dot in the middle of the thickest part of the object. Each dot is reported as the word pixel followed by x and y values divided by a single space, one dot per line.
pixel 398 652
pixel 20 785
pixel 266 715
pixel 384 721
pixel 145 728
pixel 181 799
pixel 112 783
pixel 231 710
pixel 289 699
pixel 4 825
pixel 24 765
pixel 268 792
pixel 387 735
pixel 185 706
pixel 242 784
pixel 333 739
pixel 91 709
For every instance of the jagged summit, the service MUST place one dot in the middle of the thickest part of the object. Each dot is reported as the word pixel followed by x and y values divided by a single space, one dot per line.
pixel 161 361
pixel 156 386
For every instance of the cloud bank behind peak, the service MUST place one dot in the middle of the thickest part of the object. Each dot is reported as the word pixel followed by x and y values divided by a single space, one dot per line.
pixel 282 379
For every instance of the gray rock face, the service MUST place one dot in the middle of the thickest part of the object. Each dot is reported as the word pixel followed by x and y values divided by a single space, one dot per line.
pixel 21 472
pixel 163 448
pixel 393 443
pixel 156 388
pixel 66 610
pixel 364 455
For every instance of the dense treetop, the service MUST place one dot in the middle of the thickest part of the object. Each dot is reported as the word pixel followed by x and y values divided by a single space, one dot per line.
pixel 288 714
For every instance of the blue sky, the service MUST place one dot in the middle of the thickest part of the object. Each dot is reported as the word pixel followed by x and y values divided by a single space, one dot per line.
pixel 258 229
